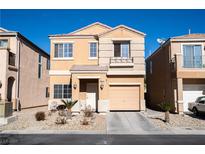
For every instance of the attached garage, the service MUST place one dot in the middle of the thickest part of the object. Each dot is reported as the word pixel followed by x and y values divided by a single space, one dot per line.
pixel 191 92
pixel 124 97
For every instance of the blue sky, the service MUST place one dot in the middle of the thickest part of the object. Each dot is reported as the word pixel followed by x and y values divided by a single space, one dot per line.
pixel 36 25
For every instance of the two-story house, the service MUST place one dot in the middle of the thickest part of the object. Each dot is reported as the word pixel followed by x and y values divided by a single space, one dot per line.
pixel 175 72
pixel 99 66
pixel 24 73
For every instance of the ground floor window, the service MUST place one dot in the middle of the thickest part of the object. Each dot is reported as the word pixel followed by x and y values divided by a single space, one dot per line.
pixel 62 91
pixel 47 92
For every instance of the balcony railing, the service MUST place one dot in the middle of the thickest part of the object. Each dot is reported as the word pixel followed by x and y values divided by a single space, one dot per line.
pixel 121 60
pixel 193 62
pixel 12 58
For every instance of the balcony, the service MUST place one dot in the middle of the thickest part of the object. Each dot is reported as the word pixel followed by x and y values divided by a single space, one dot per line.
pixel 121 62
pixel 188 67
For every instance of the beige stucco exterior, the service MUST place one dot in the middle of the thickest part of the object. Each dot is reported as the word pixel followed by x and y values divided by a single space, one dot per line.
pixel 128 74
pixel 27 90
pixel 166 79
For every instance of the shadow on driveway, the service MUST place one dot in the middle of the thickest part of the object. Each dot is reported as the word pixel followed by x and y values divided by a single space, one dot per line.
pixel 201 116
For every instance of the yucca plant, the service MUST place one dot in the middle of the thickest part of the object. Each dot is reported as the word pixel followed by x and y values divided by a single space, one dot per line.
pixel 69 104
pixel 166 107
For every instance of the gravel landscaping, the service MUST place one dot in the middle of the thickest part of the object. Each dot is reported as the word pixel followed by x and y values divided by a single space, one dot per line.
pixel 26 121
pixel 186 121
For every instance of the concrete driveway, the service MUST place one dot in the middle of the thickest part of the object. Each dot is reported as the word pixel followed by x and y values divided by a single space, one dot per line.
pixel 129 123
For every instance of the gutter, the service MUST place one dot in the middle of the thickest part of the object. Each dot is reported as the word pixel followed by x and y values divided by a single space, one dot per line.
pixel 18 73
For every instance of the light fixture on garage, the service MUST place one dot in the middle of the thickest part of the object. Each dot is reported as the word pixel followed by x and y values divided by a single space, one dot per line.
pixel 75 85
pixel 101 84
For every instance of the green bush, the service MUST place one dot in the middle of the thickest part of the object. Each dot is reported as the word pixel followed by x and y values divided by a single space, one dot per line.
pixel 165 106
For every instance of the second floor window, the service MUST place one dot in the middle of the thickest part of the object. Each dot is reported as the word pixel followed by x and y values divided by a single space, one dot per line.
pixel 93 49
pixel 12 58
pixel 39 66
pixel 150 67
pixel 192 56
pixel 3 43
pixel 63 50
pixel 121 49
pixel 48 64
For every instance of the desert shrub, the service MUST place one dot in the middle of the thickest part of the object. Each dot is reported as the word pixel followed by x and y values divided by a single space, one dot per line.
pixel 49 113
pixel 88 112
pixel 60 120
pixel 40 116
pixel 61 107
pixel 84 121
pixel 62 113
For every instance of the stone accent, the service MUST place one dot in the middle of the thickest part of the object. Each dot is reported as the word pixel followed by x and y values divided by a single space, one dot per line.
pixel 142 105
pixel 103 105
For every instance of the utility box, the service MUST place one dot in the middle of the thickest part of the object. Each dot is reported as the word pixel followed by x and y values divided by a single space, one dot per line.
pixel 6 109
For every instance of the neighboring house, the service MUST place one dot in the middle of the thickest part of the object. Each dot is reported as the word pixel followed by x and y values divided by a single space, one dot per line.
pixel 99 66
pixel 175 72
pixel 24 72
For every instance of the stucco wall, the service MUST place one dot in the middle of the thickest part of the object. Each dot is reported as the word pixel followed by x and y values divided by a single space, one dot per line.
pixel 32 90
pixel 106 48
pixel 4 67
pixel 80 54
pixel 159 83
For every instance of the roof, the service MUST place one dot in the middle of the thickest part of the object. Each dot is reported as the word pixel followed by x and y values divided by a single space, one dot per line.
pixel 190 36
pixel 73 33
pixel 3 29
pixel 126 27
pixel 15 33
pixel 88 68
pixel 97 23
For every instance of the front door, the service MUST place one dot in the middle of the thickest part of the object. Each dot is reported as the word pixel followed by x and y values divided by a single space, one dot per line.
pixel 91 95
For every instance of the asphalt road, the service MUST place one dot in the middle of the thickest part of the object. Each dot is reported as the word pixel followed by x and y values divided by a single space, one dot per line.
pixel 92 139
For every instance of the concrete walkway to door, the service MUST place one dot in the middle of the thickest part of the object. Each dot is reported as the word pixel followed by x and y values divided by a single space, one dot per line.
pixel 129 123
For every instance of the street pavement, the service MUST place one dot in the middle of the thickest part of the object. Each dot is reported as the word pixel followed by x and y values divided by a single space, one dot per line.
pixel 103 139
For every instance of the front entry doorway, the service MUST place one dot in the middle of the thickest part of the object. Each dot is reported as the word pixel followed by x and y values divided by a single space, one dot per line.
pixel 89 92
pixel 91 95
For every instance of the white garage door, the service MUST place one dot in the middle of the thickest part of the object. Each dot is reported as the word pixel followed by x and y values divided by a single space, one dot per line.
pixel 191 92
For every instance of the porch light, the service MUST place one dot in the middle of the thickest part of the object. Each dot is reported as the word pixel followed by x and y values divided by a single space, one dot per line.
pixel 74 85
pixel 101 84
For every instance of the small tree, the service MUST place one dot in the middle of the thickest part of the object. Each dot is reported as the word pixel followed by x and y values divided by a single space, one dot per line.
pixel 69 104
pixel 166 107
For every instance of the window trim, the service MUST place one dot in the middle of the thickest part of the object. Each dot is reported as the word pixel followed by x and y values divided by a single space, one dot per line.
pixel 190 43
pixel 89 53
pixel 63 58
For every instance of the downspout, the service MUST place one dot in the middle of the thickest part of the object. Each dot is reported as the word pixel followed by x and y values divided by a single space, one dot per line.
pixel 18 72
